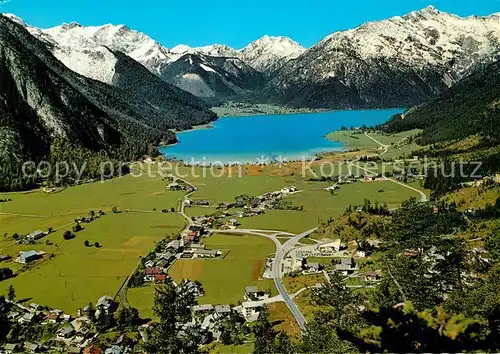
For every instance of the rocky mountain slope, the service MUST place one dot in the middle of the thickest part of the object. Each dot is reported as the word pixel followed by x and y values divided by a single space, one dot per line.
pixel 269 53
pixel 215 50
pixel 397 62
pixel 265 54
pixel 41 100
pixel 213 77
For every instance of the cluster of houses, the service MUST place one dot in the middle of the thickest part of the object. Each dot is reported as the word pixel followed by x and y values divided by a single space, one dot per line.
pixel 208 316
pixel 296 260
pixel 72 335
pixel 199 250
pixel 155 269
pixel 180 185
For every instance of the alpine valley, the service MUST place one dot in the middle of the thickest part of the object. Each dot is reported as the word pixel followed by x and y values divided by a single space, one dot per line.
pixel 142 212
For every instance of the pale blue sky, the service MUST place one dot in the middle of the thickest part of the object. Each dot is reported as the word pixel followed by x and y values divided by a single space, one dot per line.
pixel 231 22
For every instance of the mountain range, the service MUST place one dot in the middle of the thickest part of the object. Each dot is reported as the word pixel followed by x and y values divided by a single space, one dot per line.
pixel 395 62
pixel 109 88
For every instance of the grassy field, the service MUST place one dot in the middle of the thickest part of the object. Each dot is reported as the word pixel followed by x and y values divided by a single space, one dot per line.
pixel 319 205
pixel 224 280
pixel 294 284
pixel 77 275
pixel 355 140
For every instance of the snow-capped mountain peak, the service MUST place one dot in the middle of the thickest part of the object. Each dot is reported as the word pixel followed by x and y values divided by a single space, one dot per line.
pixel 267 51
pixel 15 19
pixel 135 44
pixel 181 49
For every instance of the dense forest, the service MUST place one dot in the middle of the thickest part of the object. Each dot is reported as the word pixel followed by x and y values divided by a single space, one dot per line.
pixel 470 107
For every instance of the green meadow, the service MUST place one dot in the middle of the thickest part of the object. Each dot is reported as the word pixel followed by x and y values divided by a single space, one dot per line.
pixel 224 279
pixel 71 275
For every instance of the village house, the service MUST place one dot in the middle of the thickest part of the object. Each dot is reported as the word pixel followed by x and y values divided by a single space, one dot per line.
pixel 65 332
pixel 202 253
pixel 320 250
pixel 114 349
pixel 222 310
pixel 361 254
pixel 151 273
pixel 192 236
pixel 174 186
pixel 105 303
pixel 92 349
pixel 33 307
pixel 173 246
pixel 28 317
pixel 331 247
pixel 195 288
pixel 4 258
pixel 232 223
pixel 200 202
pixel 53 317
pixel 31 347
pixel 80 323
pixel 81 335
pixel 346 266
pixel 251 310
pixel 12 348
pixel 202 309
pixel 28 256
pixel 225 205
pixel 313 268
pixel 252 293
pixel 160 278
pixel 35 235
pixel 167 256
pixel 288 190
pixel 293 262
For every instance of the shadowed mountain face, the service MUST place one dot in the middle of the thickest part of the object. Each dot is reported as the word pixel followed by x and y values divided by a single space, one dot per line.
pixel 470 107
pixel 213 77
pixel 397 62
pixel 41 99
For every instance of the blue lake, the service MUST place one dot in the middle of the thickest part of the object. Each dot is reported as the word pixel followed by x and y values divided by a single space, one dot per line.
pixel 287 136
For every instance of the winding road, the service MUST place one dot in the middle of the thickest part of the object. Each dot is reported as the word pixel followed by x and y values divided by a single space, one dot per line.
pixel 423 196
pixel 283 249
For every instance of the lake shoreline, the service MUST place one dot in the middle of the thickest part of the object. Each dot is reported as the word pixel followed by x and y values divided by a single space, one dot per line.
pixel 283 138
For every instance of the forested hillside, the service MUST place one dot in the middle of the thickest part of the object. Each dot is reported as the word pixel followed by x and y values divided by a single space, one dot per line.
pixel 43 103
pixel 470 107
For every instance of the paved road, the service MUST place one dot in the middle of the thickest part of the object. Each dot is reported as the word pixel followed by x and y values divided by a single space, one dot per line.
pixel 281 251
pixel 277 273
